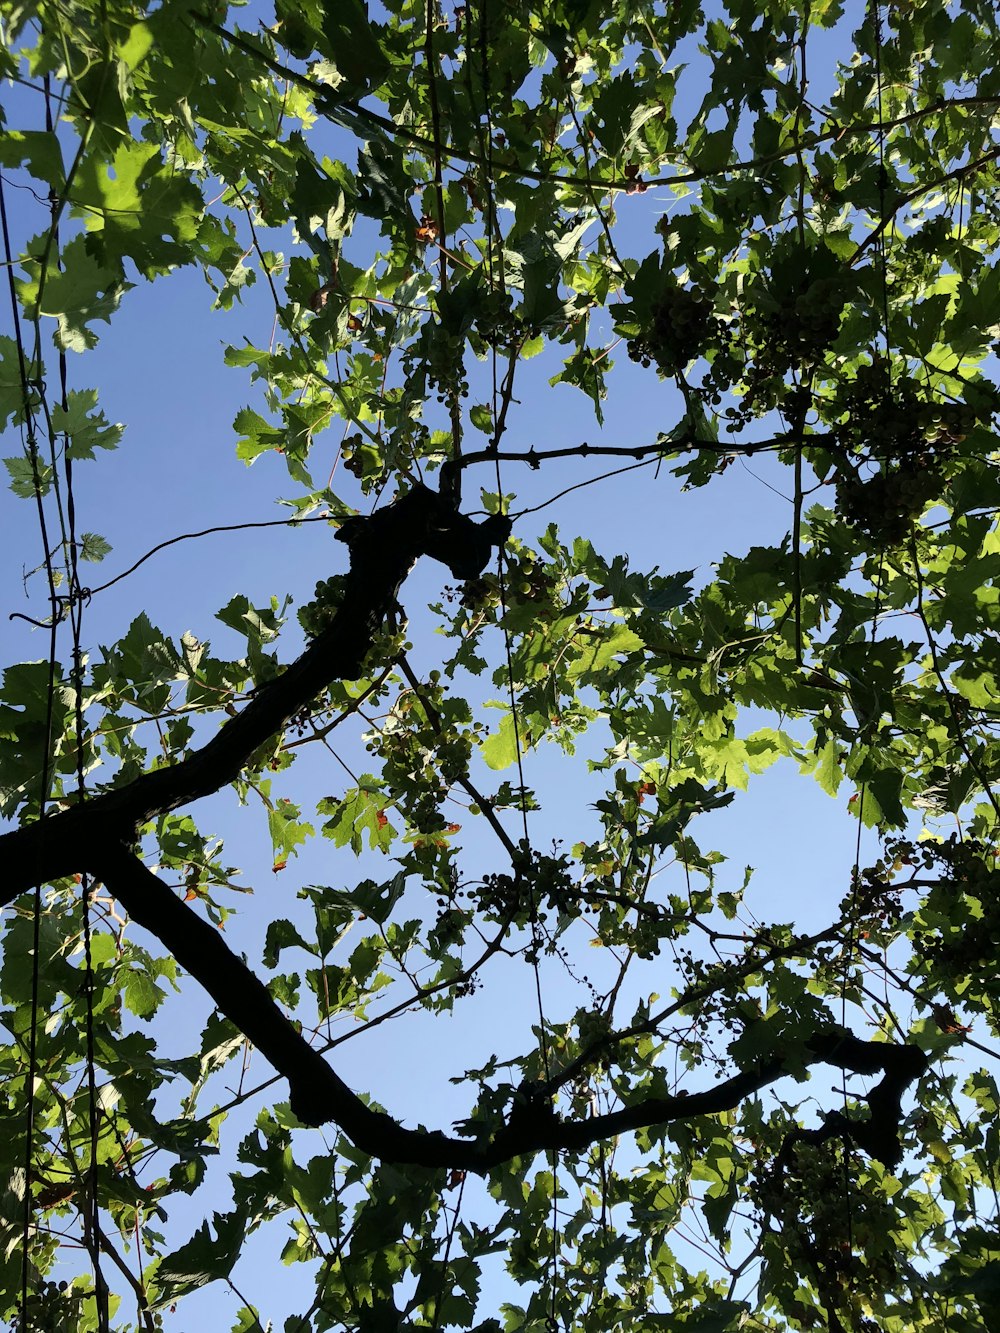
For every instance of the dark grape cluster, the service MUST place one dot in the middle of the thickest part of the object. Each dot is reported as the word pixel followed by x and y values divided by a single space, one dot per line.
pixel 873 895
pixel 317 615
pixel 843 1236
pixel 801 326
pixel 894 418
pixel 358 460
pixel 683 324
pixel 540 884
pixel 886 504
pixel 51 1307
pixel 498 325
pixel 789 318
pixel 911 437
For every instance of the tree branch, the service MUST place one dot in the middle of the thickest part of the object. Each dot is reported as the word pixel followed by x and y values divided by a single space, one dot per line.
pixel 318 1095
pixel 665 445
pixel 383 549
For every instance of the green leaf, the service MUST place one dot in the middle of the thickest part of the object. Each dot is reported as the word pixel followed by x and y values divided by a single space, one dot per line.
pixel 359 814
pixel 28 477
pixel 142 995
pixel 93 547
pixel 828 770
pixel 138 206
pixel 499 750
pixel 712 1316
pixel 595 658
pixel 38 151
pixel 76 295
pixel 481 417
pixel 371 899
pixel 257 436
pixel 12 391
pixel 353 43
pixel 204 1258
pixel 287 831
pixel 87 428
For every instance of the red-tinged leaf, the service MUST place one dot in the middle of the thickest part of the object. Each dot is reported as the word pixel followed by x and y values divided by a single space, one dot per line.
pixel 428 230
pixel 945 1018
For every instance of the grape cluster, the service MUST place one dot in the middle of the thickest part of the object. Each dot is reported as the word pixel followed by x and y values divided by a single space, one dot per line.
pixel 446 373
pixel 909 435
pixel 886 504
pixel 435 363
pixel 818 1220
pixel 51 1307
pixel 801 328
pixel 357 458
pixel 896 418
pixel 540 882
pixel 498 326
pixel 683 324
pixel 789 318
pixel 448 928
pixel 526 579
pixel 318 615
pixel 421 769
pixel 872 895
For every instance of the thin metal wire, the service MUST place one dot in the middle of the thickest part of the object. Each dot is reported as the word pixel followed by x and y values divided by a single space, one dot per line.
pixel 45 774
pixel 851 942
pixel 495 270
pixel 67 519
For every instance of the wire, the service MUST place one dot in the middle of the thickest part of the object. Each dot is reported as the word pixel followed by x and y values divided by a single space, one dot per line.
pixel 851 943
pixel 495 269
pixel 45 774
pixel 87 593
pixel 92 1220
pixel 591 481
pixel 882 182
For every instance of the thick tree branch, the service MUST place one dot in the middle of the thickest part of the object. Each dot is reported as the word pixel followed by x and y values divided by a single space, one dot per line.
pixel 318 1095
pixel 383 549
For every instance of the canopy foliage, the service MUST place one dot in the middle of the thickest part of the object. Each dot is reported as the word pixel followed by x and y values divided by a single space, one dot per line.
pixel 787 216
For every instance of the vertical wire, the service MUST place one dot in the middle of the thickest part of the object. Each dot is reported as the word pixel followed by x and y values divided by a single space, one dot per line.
pixel 881 243
pixel 452 1228
pixel 45 775
pixel 67 524
pixel 882 253
pixel 76 622
pixel 495 263
pixel 799 416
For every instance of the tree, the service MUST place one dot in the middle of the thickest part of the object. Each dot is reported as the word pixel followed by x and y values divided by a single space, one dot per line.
pixel 822 294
